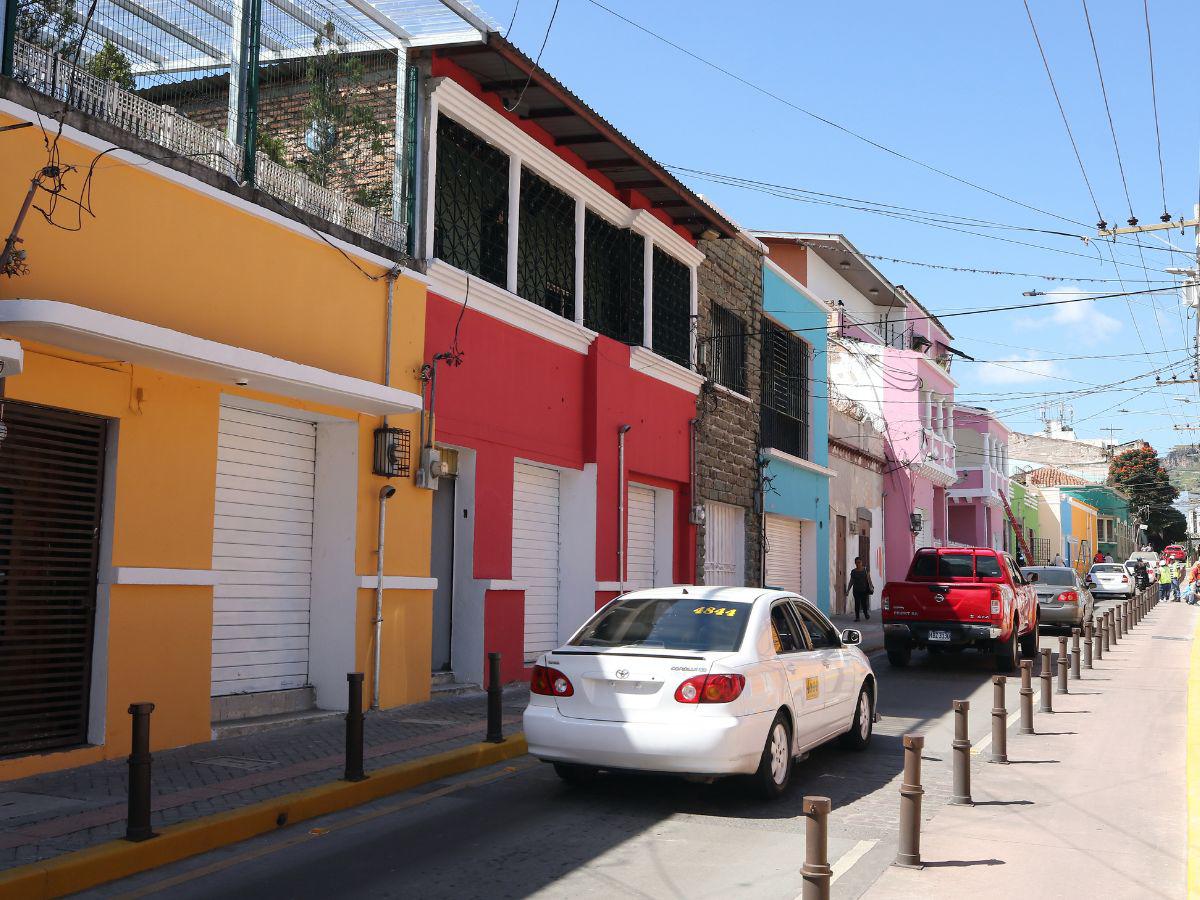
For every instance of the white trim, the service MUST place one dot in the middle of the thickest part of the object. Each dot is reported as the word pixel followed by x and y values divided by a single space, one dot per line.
pixel 208 190
pixel 137 575
pixel 467 109
pixel 797 286
pixel 780 456
pixel 398 583
pixel 12 358
pixel 647 362
pixel 116 337
pixel 514 220
pixel 730 391
pixel 693 311
pixel 609 586
pixel 494 301
pixel 501 584
pixel 431 136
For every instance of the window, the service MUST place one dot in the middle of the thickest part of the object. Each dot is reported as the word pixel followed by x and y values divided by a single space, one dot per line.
pixel 784 631
pixel 785 390
pixel 727 340
pixel 987 567
pixel 821 635
pixel 470 210
pixel 1106 531
pixel 546 246
pixel 670 622
pixel 1057 577
pixel 672 309
pixel 612 280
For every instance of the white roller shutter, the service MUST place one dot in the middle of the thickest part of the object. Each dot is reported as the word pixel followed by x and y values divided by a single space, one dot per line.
pixel 535 553
pixel 783 553
pixel 640 537
pixel 262 552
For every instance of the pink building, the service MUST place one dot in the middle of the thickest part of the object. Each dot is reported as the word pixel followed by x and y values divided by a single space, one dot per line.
pixel 976 513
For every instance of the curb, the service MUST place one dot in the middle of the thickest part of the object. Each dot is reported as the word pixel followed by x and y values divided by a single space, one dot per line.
pixel 83 869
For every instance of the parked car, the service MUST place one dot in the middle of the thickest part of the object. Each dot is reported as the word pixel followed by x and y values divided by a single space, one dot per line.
pixel 1148 556
pixel 700 681
pixel 1174 553
pixel 1063 597
pixel 955 598
pixel 1110 580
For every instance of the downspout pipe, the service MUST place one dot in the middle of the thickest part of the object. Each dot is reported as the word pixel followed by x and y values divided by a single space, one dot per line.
pixel 621 431
pixel 385 494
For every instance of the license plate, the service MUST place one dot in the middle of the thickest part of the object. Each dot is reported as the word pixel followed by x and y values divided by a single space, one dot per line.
pixel 939 635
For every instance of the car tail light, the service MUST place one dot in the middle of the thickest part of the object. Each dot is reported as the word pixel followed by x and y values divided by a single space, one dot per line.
pixel 710 689
pixel 995 601
pixel 1125 579
pixel 885 601
pixel 1067 597
pixel 550 682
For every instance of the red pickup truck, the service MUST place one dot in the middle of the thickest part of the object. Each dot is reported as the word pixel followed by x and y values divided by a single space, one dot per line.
pixel 956 597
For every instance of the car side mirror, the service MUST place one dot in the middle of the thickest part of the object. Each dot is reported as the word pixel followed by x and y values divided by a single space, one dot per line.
pixel 1033 577
pixel 851 636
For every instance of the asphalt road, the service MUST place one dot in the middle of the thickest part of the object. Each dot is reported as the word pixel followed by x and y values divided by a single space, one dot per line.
pixel 517 831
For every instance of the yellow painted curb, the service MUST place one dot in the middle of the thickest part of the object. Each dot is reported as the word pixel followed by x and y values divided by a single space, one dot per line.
pixel 84 869
pixel 1193 768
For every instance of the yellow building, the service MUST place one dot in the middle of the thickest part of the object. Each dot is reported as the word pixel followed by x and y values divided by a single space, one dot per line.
pixel 188 514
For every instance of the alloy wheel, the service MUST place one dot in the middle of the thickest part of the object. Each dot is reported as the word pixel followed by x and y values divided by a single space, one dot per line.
pixel 779 753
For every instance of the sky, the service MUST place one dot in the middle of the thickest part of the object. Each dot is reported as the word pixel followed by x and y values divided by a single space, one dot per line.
pixel 960 87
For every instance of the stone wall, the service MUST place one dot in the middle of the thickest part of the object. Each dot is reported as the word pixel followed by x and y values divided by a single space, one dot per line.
pixel 727 441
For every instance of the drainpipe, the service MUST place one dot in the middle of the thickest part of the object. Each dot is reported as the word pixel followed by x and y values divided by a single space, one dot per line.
pixel 385 494
pixel 621 430
pixel 392 275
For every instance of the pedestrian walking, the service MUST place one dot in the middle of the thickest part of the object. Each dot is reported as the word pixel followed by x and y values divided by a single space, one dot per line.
pixel 861 587
pixel 1058 560
pixel 1164 583
pixel 1098 558
pixel 1176 579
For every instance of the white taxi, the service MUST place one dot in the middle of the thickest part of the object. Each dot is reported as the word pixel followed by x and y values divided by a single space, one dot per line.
pixel 701 681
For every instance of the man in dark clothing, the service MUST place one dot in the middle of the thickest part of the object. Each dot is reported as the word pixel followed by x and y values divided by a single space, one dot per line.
pixel 860 585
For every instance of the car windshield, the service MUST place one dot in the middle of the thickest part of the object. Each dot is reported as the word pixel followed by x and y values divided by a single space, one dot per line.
pixel 673 623
pixel 1062 577
pixel 1114 569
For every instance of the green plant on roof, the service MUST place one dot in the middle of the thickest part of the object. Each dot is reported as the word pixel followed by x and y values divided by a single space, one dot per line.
pixel 111 64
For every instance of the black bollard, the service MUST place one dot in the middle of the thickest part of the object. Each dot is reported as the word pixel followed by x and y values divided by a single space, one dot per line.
pixel 495 708
pixel 354 728
pixel 137 824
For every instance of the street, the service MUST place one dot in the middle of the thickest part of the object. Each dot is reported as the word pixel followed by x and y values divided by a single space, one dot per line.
pixel 516 831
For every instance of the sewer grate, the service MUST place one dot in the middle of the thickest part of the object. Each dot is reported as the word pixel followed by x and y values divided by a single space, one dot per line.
pixel 237 762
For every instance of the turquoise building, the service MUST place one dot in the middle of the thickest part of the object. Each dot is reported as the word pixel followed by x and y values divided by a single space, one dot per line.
pixel 794 436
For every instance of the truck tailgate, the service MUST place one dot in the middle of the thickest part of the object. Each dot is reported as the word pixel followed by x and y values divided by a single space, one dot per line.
pixel 932 602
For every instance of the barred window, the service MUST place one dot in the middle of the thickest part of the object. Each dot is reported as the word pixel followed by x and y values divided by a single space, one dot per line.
pixel 612 280
pixel 470 213
pixel 727 342
pixel 785 390
pixel 672 309
pixel 546 246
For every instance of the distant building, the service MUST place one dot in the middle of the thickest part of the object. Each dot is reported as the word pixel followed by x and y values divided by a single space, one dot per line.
pixel 976 513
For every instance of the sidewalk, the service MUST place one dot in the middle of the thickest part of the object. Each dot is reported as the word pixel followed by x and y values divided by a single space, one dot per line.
pixel 1095 803
pixel 872 629
pixel 47 815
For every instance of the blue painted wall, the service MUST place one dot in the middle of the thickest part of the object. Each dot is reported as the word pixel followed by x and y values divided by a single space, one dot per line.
pixel 794 491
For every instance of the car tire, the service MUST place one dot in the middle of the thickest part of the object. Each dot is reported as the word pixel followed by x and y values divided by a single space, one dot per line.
pixel 899 657
pixel 775 768
pixel 1029 643
pixel 1006 653
pixel 863 724
pixel 573 773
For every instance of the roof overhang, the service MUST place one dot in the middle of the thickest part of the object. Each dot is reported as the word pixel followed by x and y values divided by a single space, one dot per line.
pixel 844 258
pixel 104 335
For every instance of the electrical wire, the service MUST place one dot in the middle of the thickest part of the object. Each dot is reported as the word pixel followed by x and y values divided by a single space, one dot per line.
pixel 537 60
pixel 1112 128
pixel 1162 178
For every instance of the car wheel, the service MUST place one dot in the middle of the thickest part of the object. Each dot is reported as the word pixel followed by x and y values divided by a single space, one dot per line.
pixel 899 656
pixel 859 735
pixel 1006 653
pixel 573 773
pixel 775 767
pixel 1029 643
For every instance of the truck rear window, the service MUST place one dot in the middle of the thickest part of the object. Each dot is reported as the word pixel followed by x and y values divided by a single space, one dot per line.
pixel 955 565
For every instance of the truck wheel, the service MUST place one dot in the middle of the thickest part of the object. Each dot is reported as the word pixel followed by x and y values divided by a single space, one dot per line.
pixel 1029 643
pixel 899 656
pixel 1006 653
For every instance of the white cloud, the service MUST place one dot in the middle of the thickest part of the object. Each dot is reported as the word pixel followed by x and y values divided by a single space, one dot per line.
pixel 1019 370
pixel 1083 322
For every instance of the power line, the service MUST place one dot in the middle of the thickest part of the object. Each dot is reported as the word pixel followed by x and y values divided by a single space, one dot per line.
pixel 1108 111
pixel 1162 179
pixel 537 61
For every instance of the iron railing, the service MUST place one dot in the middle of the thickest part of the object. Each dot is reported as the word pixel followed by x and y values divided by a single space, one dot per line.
pixel 546 246
pixel 727 349
pixel 613 279
pixel 672 309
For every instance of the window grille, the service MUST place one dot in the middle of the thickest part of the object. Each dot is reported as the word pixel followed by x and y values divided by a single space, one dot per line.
pixel 727 341
pixel 785 391
pixel 612 280
pixel 470 228
pixel 546 246
pixel 672 309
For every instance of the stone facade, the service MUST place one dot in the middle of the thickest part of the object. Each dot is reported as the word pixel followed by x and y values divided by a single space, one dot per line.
pixel 727 435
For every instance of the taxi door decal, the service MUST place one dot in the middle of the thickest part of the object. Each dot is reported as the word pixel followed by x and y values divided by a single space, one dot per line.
pixel 812 687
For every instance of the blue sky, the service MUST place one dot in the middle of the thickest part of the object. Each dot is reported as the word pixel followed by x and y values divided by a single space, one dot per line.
pixel 961 87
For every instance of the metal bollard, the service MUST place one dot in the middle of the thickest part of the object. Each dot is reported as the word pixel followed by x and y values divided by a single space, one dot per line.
pixel 1090 640
pixel 354 728
pixel 1063 665
pixel 1047 676
pixel 495 708
pixel 1114 637
pixel 137 822
pixel 816 870
pixel 1102 646
pixel 1120 620
pixel 999 721
pixel 961 747
pixel 1125 623
pixel 1026 693
pixel 909 853
pixel 1075 653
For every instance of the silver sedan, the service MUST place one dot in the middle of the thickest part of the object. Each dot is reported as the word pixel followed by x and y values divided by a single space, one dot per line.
pixel 1063 597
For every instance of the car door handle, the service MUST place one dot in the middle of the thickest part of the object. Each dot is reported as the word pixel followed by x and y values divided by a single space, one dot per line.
pixel 791 668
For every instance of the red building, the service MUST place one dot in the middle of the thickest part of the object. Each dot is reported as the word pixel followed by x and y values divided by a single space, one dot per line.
pixel 562 265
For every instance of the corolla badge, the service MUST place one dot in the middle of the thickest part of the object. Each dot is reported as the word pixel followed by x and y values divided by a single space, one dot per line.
pixel 940 598
pixel 622 673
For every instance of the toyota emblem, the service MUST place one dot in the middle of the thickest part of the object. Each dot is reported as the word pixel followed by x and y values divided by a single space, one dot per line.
pixel 940 598
pixel 622 673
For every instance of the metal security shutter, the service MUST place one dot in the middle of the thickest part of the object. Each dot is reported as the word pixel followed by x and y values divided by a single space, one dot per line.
pixel 783 554
pixel 724 544
pixel 640 537
pixel 51 480
pixel 535 553
pixel 262 552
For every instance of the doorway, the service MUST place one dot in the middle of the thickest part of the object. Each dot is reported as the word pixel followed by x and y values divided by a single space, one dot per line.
pixel 840 587
pixel 441 565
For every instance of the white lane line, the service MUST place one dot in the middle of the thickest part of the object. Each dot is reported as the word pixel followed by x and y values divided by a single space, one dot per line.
pixel 983 743
pixel 847 860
